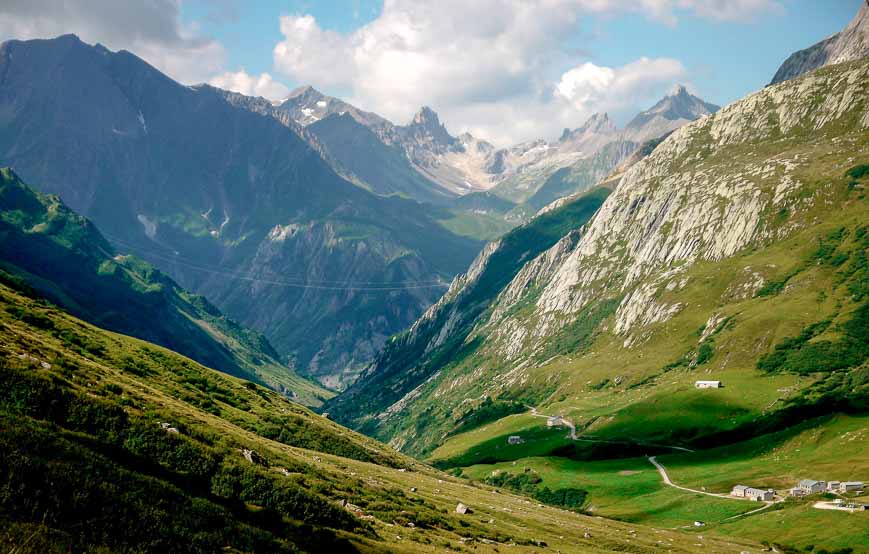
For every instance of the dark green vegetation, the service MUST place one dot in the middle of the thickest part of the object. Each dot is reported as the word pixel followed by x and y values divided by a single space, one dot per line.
pixel 489 410
pixel 802 355
pixel 529 484
pixel 64 257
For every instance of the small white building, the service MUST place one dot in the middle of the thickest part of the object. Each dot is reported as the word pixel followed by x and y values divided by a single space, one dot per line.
pixel 515 439
pixel 810 486
pixel 554 421
pixel 849 486
pixel 759 495
pixel 707 384
pixel 833 486
pixel 743 491
pixel 796 491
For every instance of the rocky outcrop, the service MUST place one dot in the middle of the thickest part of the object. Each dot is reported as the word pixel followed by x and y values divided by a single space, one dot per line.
pixel 680 205
pixel 852 43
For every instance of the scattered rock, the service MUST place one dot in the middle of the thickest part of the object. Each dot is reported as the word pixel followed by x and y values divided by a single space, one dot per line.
pixel 412 489
pixel 462 509
pixel 254 457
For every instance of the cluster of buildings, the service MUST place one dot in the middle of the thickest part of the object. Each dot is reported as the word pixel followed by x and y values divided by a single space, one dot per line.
pixel 810 486
pixel 757 495
pixel 805 487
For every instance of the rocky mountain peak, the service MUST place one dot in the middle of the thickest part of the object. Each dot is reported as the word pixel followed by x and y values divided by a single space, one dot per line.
pixel 671 112
pixel 426 128
pixel 598 123
pixel 852 43
pixel 426 117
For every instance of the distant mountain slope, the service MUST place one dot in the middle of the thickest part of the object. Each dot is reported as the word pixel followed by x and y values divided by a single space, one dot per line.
pixel 64 257
pixel 383 168
pixel 851 43
pixel 735 251
pixel 584 155
pixel 231 203
pixel 440 337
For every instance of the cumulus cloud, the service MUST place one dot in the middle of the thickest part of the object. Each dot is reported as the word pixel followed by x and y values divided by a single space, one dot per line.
pixel 251 85
pixel 152 30
pixel 588 86
pixel 496 66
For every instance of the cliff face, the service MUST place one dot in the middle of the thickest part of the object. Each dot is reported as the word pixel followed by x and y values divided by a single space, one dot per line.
pixel 741 179
pixel 852 43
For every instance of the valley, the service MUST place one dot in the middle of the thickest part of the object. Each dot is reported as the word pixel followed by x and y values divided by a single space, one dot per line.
pixel 238 316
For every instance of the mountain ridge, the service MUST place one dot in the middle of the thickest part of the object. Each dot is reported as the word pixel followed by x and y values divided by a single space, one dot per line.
pixel 66 259
pixel 230 202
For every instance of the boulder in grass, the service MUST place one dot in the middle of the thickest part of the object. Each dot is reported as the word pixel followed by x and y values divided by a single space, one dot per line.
pixel 254 457
pixel 462 509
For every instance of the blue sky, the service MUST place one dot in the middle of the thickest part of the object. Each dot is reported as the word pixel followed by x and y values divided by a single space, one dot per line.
pixel 504 70
pixel 727 59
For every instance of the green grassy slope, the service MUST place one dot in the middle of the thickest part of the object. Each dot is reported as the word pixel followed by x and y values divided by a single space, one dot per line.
pixel 630 489
pixel 87 465
pixel 64 256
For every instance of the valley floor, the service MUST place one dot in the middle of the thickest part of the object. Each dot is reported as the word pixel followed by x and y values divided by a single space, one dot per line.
pixel 676 489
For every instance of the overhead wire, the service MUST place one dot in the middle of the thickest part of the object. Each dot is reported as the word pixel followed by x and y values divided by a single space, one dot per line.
pixel 292 282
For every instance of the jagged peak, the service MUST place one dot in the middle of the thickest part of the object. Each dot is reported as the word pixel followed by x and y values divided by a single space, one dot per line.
pixel 306 91
pixel 598 122
pixel 426 116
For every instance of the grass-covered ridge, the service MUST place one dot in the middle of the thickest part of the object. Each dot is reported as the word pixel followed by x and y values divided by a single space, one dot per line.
pixel 113 444
pixel 65 258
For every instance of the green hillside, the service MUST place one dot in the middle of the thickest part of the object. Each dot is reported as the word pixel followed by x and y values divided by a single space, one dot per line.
pixel 735 252
pixel 113 444
pixel 64 257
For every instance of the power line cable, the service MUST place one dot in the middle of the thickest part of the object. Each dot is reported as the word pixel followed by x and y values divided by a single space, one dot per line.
pixel 359 286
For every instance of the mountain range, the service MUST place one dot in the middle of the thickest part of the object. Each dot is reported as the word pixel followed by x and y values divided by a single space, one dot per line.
pixel 668 312
pixel 230 203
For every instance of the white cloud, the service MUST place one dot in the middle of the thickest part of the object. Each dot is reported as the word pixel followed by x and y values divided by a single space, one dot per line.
pixel 251 85
pixel 589 86
pixel 152 30
pixel 501 66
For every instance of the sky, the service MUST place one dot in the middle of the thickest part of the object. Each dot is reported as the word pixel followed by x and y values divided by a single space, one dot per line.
pixel 504 70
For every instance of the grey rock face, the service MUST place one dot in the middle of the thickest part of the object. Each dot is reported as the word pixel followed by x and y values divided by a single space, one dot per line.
pixel 852 43
pixel 670 113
